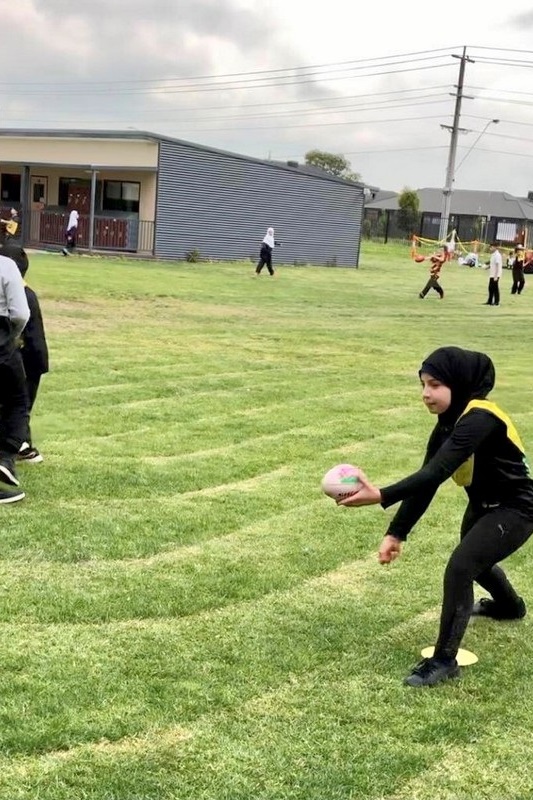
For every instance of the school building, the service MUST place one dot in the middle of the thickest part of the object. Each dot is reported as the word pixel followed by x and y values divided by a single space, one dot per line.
pixel 139 192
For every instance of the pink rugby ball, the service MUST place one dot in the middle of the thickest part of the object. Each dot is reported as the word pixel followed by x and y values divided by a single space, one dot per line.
pixel 341 481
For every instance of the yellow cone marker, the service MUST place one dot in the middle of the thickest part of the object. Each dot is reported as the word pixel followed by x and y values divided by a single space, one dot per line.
pixel 464 657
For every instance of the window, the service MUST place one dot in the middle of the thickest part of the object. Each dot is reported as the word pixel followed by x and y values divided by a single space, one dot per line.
pixel 121 196
pixel 39 192
pixel 10 188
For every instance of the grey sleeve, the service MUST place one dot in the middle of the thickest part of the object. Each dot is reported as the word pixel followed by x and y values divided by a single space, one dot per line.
pixel 18 310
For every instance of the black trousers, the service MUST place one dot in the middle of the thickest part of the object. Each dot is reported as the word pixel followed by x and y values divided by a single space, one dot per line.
pixel 433 283
pixel 32 387
pixel 265 259
pixel 518 280
pixel 70 238
pixel 487 537
pixel 14 410
pixel 494 292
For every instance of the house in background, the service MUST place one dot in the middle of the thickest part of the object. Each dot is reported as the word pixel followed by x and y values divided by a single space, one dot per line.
pixel 485 216
pixel 143 193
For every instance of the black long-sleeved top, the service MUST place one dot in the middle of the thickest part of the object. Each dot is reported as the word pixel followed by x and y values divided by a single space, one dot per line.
pixel 483 453
pixel 34 347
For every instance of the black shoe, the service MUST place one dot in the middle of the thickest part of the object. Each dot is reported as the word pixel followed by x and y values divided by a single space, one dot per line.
pixel 7 471
pixel 421 296
pixel 29 454
pixel 11 497
pixel 430 672
pixel 486 607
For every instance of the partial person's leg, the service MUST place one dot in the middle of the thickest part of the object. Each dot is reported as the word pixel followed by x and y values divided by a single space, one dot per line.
pixel 493 537
pixel 14 415
pixel 426 288
pixel 28 452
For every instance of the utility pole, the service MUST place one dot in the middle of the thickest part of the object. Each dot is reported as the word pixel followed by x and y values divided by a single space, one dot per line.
pixel 455 129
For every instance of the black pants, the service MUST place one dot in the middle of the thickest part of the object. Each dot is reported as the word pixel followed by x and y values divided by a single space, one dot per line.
pixel 32 387
pixel 487 537
pixel 70 239
pixel 433 283
pixel 265 259
pixel 494 292
pixel 14 412
pixel 518 280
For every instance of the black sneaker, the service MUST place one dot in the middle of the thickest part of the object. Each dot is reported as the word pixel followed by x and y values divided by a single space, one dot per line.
pixel 430 672
pixel 486 607
pixel 7 471
pixel 11 497
pixel 29 454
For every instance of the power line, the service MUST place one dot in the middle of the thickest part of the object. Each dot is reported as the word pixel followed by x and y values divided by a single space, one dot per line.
pixel 234 74
pixel 309 101
pixel 505 62
pixel 505 91
pixel 224 87
pixel 372 121
pixel 379 106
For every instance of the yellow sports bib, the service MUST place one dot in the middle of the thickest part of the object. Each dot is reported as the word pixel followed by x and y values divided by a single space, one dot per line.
pixel 463 475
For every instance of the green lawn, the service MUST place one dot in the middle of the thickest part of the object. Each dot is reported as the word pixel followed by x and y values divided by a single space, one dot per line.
pixel 183 614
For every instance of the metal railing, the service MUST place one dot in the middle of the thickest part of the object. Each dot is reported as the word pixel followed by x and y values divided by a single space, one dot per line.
pixel 122 234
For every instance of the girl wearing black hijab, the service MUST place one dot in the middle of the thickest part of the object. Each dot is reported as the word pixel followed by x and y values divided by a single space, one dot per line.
pixel 476 444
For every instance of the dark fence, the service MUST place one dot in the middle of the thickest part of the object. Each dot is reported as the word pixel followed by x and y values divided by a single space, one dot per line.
pixel 110 233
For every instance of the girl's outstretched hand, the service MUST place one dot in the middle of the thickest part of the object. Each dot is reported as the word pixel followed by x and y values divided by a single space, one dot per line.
pixel 366 495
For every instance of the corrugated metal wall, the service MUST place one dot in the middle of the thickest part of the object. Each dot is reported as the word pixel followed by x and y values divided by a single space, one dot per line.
pixel 222 205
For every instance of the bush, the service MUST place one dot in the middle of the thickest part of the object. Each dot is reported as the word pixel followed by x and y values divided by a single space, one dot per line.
pixel 193 256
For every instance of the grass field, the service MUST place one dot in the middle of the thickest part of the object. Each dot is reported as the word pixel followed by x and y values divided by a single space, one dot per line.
pixel 183 614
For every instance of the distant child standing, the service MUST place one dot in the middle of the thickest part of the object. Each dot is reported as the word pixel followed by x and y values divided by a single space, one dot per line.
pixel 518 270
pixel 71 233
pixel 265 255
pixel 495 273
pixel 437 260
pixel 34 349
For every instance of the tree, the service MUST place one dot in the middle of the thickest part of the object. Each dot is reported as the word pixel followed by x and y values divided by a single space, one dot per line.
pixel 331 163
pixel 408 211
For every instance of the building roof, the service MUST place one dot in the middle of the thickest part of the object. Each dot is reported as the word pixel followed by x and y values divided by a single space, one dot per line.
pixel 136 135
pixel 465 202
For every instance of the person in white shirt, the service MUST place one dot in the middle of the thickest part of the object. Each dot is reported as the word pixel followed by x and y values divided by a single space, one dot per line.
pixel 14 412
pixel 495 273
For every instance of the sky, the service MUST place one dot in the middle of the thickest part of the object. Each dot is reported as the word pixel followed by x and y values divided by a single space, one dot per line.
pixel 273 80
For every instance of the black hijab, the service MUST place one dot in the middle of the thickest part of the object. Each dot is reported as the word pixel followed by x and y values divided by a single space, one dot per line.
pixel 18 254
pixel 469 375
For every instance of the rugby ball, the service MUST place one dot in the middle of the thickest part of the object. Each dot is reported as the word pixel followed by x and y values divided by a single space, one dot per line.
pixel 341 481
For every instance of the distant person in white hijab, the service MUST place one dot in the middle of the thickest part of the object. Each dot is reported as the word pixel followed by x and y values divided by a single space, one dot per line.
pixel 71 232
pixel 265 255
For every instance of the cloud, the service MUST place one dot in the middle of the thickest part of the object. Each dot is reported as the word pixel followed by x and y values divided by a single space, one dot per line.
pixel 521 21
pixel 131 36
pixel 129 41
